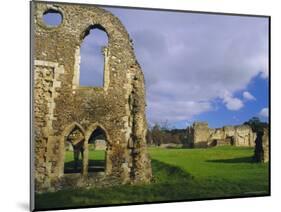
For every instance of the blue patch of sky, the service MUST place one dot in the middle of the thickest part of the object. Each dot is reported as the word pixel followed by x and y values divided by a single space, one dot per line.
pixel 92 58
pixel 52 18
pixel 221 116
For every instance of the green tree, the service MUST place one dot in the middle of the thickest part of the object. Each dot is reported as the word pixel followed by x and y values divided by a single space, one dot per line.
pixel 157 134
pixel 256 124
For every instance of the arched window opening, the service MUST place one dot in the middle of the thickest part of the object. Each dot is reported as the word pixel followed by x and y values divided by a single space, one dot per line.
pixel 214 143
pixel 97 146
pixel 92 57
pixel 74 150
pixel 230 140
pixel 52 18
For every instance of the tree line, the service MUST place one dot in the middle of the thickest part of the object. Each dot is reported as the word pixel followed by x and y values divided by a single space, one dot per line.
pixel 161 134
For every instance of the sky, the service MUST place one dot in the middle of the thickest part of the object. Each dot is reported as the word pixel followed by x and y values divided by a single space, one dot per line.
pixel 197 67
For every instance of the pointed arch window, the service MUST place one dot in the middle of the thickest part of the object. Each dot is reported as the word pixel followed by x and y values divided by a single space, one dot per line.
pixel 92 57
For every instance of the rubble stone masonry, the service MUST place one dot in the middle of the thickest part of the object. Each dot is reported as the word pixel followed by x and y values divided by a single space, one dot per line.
pixel 63 109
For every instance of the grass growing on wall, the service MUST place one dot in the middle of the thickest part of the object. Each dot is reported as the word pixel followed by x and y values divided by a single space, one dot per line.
pixel 179 174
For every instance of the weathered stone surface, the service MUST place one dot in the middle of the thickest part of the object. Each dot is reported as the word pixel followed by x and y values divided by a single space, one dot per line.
pixel 262 146
pixel 61 106
pixel 201 135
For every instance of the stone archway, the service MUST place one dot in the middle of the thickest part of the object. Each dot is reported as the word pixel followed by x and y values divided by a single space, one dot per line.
pixel 213 143
pixel 97 148
pixel 90 138
pixel 229 140
pixel 73 139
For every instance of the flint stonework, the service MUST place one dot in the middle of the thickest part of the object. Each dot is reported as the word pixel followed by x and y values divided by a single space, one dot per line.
pixel 67 114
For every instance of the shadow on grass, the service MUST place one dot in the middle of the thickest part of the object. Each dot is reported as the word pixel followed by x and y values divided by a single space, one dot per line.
pixel 93 166
pixel 69 167
pixel 96 166
pixel 173 147
pixel 163 172
pixel 233 160
pixel 169 183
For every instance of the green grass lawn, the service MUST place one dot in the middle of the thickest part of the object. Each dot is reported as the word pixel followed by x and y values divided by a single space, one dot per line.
pixel 93 155
pixel 179 174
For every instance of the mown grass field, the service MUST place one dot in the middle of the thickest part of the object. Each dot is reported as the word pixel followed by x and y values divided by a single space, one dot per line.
pixel 179 174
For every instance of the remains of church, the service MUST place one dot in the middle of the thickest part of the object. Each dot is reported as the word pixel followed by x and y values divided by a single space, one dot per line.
pixel 200 135
pixel 67 115
pixel 262 146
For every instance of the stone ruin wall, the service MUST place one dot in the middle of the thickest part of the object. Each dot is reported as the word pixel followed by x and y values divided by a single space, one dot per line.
pixel 261 153
pixel 200 133
pixel 61 106
pixel 203 136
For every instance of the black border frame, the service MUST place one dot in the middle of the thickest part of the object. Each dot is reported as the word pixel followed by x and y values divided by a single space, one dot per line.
pixel 32 205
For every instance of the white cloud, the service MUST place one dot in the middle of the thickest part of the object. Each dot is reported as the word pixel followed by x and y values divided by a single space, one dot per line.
pixel 248 96
pixel 264 112
pixel 232 103
pixel 162 110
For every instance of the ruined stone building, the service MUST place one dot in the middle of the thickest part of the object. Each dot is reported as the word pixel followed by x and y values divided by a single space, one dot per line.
pixel 66 115
pixel 261 153
pixel 200 135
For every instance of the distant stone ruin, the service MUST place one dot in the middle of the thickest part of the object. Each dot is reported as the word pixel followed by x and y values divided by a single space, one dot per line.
pixel 261 154
pixel 100 144
pixel 66 115
pixel 201 136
